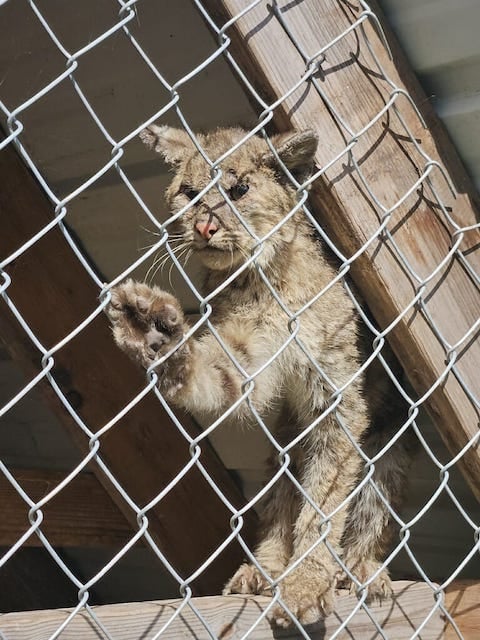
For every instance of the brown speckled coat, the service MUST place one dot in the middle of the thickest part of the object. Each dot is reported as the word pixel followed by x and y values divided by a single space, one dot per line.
pixel 313 375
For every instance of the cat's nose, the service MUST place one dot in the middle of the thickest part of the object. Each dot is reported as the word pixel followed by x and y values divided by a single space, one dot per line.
pixel 206 229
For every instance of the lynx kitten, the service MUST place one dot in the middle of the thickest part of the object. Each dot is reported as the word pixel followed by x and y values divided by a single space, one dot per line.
pixel 324 403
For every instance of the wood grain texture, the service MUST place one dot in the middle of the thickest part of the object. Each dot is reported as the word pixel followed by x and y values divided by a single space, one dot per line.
pixel 144 450
pixel 81 515
pixel 390 269
pixel 229 618
pixel 463 603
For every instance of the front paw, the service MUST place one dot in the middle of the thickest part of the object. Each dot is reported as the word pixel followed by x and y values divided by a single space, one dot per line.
pixel 147 322
pixel 247 579
pixel 378 589
pixel 309 595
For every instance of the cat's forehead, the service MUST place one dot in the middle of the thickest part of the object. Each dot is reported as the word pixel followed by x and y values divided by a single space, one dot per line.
pixel 243 159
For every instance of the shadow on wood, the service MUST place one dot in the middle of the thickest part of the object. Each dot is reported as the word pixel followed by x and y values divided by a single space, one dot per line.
pixel 231 617
pixel 391 269
pixel 144 450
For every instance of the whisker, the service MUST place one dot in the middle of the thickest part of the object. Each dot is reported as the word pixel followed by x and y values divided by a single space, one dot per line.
pixel 153 232
pixel 171 239
pixel 160 261
pixel 189 255
pixel 145 247
pixel 157 264
pixel 179 257
pixel 170 276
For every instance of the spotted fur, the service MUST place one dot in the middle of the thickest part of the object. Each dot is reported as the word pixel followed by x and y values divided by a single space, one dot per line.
pixel 328 350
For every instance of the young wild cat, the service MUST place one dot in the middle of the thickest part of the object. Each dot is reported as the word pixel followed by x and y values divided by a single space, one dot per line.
pixel 314 347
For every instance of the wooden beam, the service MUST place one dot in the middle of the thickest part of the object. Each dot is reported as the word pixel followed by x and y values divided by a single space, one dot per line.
pixel 391 164
pixel 81 515
pixel 144 450
pixel 462 602
pixel 231 617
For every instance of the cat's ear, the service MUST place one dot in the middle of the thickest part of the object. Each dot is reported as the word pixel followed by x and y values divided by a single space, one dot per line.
pixel 296 149
pixel 172 144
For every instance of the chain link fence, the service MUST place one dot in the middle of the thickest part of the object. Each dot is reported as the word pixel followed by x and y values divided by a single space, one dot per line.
pixel 130 26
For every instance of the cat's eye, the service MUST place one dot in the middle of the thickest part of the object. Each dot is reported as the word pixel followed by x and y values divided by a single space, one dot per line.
pixel 189 192
pixel 238 190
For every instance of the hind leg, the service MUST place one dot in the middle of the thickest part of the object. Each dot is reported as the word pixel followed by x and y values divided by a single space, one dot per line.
pixel 370 526
pixel 327 476
pixel 275 547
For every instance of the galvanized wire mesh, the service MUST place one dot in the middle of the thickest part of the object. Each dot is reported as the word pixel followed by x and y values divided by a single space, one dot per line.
pixel 125 21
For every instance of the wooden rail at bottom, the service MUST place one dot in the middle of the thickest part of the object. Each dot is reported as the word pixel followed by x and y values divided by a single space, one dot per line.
pixel 463 604
pixel 232 617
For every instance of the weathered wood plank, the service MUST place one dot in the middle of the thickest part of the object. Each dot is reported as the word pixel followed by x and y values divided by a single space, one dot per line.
pixel 229 618
pixel 81 515
pixel 144 450
pixel 391 164
pixel 463 603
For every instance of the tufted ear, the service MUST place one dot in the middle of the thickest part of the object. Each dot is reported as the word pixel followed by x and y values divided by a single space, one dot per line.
pixel 172 144
pixel 296 149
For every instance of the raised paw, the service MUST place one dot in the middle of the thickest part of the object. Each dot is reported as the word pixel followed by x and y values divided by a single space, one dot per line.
pixel 308 595
pixel 147 322
pixel 247 579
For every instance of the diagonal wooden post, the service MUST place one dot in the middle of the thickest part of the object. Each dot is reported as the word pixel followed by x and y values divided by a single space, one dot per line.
pixel 391 164
pixel 144 450
pixel 81 515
